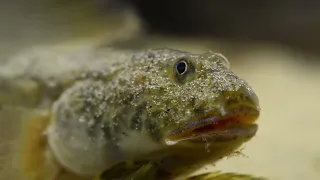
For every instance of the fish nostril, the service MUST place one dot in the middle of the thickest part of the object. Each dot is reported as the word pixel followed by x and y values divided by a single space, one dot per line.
pixel 229 98
pixel 231 101
pixel 242 96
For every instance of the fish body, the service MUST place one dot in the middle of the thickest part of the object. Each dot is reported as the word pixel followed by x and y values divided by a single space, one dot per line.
pixel 102 109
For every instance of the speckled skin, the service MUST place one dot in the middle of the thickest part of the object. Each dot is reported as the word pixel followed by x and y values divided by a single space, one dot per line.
pixel 109 107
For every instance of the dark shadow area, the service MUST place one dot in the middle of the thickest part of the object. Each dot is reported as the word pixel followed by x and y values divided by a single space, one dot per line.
pixel 295 23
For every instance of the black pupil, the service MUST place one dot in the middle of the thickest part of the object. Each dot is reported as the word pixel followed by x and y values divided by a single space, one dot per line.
pixel 181 67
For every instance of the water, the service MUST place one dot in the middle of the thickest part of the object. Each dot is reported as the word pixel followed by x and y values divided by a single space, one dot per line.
pixel 287 145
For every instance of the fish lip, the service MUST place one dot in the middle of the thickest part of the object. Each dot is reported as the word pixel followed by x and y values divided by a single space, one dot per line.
pixel 236 133
pixel 239 128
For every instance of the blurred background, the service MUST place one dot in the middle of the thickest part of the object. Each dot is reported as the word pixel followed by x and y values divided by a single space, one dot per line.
pixel 274 45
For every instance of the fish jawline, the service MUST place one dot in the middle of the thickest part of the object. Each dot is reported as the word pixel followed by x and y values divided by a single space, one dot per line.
pixel 216 128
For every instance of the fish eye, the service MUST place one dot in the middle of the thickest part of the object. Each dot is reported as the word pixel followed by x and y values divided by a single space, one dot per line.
pixel 184 70
pixel 181 67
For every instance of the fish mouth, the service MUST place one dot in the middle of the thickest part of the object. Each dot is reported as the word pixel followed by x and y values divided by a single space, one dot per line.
pixel 238 123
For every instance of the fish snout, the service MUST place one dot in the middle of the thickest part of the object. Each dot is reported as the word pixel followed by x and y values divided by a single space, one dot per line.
pixel 243 98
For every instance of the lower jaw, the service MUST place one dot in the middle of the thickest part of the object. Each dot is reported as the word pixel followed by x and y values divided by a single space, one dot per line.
pixel 234 133
pixel 239 132
pixel 193 154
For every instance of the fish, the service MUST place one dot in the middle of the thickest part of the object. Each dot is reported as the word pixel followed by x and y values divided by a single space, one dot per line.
pixel 114 114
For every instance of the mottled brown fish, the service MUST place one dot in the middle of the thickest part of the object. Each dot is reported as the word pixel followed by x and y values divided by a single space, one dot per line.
pixel 153 114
